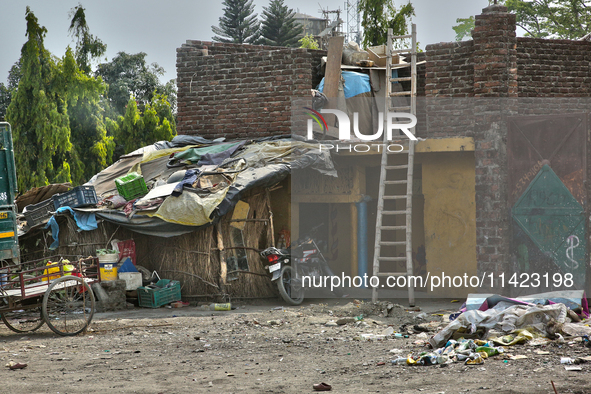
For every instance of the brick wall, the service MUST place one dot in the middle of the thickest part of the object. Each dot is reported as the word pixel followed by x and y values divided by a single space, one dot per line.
pixel 472 87
pixel 241 91
pixel 553 68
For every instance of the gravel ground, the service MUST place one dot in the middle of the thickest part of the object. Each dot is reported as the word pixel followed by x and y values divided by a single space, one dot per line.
pixel 262 349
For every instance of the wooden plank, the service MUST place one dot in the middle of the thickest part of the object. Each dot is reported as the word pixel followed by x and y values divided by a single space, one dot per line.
pixel 332 75
pixel 223 264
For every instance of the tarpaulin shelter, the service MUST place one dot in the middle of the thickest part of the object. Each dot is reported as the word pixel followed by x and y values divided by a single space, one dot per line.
pixel 173 224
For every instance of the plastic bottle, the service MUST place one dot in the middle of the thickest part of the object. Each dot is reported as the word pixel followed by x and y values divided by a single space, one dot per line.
pixel 220 307
pixel 216 307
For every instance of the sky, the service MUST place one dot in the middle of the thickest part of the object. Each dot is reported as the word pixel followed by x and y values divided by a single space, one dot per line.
pixel 159 27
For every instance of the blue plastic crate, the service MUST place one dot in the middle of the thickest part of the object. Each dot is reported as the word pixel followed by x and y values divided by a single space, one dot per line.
pixel 77 197
pixel 39 213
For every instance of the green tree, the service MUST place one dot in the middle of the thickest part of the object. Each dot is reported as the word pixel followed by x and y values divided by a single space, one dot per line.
pixel 88 47
pixel 564 19
pixel 136 129
pixel 92 149
pixel 279 27
pixel 41 132
pixel 239 24
pixel 377 16
pixel 129 75
pixel 464 28
pixel 5 97
pixel 308 42
pixel 6 91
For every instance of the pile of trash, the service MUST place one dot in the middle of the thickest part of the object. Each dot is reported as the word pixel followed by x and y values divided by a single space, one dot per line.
pixel 485 326
pixel 471 352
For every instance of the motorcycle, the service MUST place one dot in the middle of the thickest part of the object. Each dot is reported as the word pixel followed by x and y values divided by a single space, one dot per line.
pixel 307 260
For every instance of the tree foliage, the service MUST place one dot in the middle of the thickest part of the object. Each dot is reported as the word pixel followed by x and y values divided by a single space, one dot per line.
pixel 129 75
pixel 5 97
pixel 6 91
pixel 136 129
pixel 308 42
pixel 279 27
pixel 88 47
pixel 377 16
pixel 464 28
pixel 564 19
pixel 239 24
pixel 92 150
pixel 59 110
pixel 38 114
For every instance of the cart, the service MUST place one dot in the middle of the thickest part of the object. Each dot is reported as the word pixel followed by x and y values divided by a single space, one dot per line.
pixel 54 290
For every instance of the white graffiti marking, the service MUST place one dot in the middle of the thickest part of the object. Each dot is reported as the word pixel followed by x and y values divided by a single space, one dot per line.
pixel 570 250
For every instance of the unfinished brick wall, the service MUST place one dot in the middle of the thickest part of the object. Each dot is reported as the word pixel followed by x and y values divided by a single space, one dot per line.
pixel 553 68
pixel 241 91
pixel 449 70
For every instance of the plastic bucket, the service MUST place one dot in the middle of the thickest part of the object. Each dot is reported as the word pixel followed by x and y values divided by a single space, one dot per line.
pixel 108 271
pixel 108 266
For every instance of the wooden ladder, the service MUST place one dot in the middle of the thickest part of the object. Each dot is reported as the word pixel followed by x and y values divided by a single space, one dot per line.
pixel 392 175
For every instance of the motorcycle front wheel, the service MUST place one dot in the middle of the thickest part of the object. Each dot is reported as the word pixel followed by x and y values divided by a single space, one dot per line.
pixel 290 292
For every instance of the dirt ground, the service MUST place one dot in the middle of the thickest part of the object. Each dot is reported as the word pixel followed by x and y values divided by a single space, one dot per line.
pixel 262 349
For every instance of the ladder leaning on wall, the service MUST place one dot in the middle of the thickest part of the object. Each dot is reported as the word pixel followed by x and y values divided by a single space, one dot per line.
pixel 390 202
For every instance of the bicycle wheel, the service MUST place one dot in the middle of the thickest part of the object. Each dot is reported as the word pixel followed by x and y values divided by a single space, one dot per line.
pixel 68 306
pixel 23 320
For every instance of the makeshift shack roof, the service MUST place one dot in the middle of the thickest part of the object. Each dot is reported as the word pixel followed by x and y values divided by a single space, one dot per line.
pixel 236 166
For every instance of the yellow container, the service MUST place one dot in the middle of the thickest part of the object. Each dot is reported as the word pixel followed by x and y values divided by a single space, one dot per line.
pixel 68 268
pixel 108 271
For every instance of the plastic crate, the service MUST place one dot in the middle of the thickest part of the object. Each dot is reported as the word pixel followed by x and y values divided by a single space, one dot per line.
pixel 77 197
pixel 161 295
pixel 131 186
pixel 39 213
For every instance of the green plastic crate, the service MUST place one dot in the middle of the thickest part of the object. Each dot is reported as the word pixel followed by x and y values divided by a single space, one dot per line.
pixel 166 291
pixel 131 186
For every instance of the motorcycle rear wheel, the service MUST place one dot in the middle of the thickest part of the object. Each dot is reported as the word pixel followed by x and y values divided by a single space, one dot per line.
pixel 289 293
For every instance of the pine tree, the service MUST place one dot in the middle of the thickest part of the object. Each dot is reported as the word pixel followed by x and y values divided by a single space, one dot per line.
pixel 41 131
pixel 279 27
pixel 239 24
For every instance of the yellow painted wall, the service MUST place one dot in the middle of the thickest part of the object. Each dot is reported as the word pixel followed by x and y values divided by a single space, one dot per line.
pixel 339 252
pixel 450 217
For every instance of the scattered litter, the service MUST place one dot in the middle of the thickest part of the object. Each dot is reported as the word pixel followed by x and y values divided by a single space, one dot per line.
pixel 13 365
pixel 322 387
pixel 388 332
pixel 518 357
pixel 572 368
pixel 346 320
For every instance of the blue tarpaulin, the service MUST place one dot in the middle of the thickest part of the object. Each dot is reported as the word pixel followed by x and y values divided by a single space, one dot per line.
pixel 355 83
pixel 85 220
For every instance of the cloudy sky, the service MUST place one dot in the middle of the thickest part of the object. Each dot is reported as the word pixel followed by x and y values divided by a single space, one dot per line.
pixel 159 27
